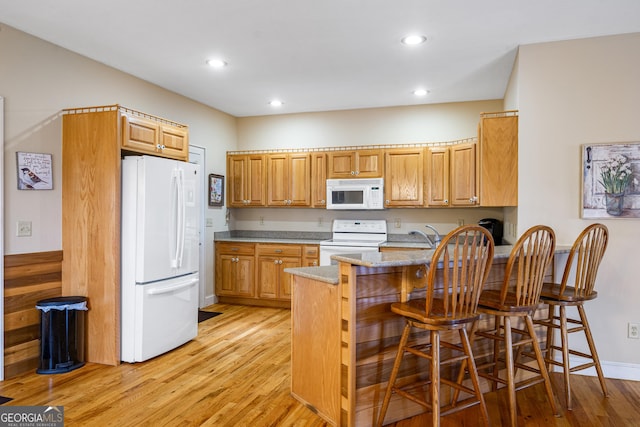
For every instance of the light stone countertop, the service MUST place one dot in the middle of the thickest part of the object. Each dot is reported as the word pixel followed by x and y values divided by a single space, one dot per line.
pixel 310 238
pixel 294 241
pixel 329 274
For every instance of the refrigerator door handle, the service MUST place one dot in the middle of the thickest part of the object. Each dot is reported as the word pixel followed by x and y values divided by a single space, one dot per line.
pixel 181 216
pixel 175 190
pixel 177 181
pixel 172 288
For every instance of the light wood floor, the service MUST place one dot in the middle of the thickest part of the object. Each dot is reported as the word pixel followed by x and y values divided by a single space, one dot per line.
pixel 236 373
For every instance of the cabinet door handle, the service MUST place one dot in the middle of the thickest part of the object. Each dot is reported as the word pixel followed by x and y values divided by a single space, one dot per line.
pixel 275 261
pixel 278 251
pixel 280 261
pixel 353 172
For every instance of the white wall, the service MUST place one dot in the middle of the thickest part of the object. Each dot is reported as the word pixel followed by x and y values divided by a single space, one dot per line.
pixel 38 80
pixel 572 93
pixel 376 126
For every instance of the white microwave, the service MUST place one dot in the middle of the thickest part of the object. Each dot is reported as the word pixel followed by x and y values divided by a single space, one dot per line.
pixel 356 194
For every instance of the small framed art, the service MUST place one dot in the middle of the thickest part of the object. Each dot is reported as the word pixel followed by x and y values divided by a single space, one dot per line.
pixel 216 190
pixel 611 180
pixel 34 171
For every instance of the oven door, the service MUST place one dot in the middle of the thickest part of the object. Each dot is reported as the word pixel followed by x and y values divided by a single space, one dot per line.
pixel 326 251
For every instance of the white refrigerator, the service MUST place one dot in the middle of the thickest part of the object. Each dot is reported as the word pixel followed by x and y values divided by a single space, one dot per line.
pixel 159 246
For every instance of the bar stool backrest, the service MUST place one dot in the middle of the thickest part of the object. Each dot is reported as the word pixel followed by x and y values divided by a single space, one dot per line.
pixel 468 253
pixel 526 266
pixel 585 257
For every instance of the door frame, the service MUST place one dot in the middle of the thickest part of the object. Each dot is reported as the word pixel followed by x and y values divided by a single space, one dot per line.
pixel 2 239
pixel 197 155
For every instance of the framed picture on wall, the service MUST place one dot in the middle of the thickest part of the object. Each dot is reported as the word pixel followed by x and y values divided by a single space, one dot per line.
pixel 34 171
pixel 611 180
pixel 216 190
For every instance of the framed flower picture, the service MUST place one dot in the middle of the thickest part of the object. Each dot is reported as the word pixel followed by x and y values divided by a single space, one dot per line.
pixel 216 190
pixel 611 180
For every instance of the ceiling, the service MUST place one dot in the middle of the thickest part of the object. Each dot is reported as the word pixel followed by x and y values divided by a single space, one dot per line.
pixel 316 55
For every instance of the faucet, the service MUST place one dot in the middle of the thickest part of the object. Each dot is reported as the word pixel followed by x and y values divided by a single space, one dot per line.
pixel 425 235
pixel 438 237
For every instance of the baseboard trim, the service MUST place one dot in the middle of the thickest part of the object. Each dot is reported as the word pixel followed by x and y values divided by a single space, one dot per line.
pixel 210 299
pixel 614 370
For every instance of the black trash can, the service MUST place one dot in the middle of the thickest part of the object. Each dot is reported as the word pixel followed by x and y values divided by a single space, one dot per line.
pixel 62 329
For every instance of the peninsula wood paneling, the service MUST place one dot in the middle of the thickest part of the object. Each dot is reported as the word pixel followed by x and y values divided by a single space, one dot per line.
pixel 28 278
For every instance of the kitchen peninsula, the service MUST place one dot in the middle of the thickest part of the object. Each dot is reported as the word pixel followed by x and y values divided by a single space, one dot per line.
pixel 344 336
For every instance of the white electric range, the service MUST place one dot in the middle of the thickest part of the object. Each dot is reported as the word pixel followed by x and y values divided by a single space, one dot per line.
pixel 351 236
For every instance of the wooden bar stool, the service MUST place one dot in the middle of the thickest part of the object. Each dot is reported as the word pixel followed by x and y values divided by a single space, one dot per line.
pixel 459 268
pixel 518 298
pixel 584 260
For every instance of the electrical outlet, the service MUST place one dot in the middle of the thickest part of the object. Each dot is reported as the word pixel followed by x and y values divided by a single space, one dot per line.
pixel 633 331
pixel 261 220
pixel 320 221
pixel 396 223
pixel 460 222
pixel 209 222
pixel 23 229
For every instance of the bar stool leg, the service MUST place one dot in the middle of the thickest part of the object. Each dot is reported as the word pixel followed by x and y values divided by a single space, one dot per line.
pixel 508 356
pixel 496 352
pixel 435 378
pixel 564 336
pixel 550 335
pixel 592 348
pixel 394 373
pixel 542 366
pixel 473 373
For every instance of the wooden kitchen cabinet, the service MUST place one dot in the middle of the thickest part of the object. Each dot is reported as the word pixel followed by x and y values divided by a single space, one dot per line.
pixel 310 255
pixel 438 168
pixel 355 164
pixel 404 177
pixel 253 273
pixel 235 269
pixel 93 141
pixel 246 180
pixel 289 179
pixel 498 159
pixel 463 190
pixel 319 180
pixel 273 282
pixel 160 137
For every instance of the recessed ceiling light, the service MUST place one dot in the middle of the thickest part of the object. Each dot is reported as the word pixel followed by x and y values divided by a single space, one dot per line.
pixel 276 103
pixel 420 92
pixel 413 40
pixel 216 63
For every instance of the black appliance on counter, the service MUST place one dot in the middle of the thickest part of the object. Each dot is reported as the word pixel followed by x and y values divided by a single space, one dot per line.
pixel 495 228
